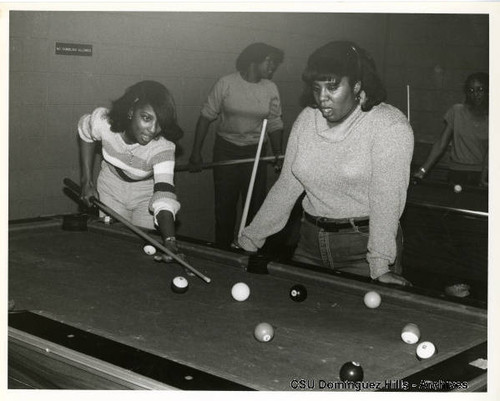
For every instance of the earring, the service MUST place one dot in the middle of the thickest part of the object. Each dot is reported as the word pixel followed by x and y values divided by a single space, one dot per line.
pixel 129 115
pixel 362 98
pixel 357 87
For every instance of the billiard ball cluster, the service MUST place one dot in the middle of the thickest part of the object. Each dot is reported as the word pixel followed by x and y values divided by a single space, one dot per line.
pixel 264 332
pixel 411 335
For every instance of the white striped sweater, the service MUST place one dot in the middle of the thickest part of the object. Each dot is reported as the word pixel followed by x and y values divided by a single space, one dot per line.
pixel 135 162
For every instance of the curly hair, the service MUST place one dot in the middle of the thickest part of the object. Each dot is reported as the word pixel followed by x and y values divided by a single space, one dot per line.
pixel 343 59
pixel 257 53
pixel 146 93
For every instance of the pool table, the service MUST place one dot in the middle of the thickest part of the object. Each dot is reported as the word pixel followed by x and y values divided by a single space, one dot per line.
pixel 438 195
pixel 446 235
pixel 91 310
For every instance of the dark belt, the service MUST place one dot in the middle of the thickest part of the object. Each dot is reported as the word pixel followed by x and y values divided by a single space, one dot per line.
pixel 331 225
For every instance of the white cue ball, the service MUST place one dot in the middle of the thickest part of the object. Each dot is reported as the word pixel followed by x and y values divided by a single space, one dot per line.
pixel 457 188
pixel 425 350
pixel 149 249
pixel 410 333
pixel 372 299
pixel 240 291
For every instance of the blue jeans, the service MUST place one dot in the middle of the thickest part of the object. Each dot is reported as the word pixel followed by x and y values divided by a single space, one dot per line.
pixel 344 250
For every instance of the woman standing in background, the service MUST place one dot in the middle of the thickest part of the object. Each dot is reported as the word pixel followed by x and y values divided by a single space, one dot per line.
pixel 242 100
pixel 466 127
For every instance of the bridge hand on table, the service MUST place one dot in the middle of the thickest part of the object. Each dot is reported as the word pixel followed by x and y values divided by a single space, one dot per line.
pixel 169 259
pixel 171 246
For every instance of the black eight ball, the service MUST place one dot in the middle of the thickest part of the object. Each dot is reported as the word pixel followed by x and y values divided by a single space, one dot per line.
pixel 298 293
pixel 351 372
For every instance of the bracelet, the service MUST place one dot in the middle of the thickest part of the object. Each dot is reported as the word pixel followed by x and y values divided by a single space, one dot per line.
pixel 172 239
pixel 423 170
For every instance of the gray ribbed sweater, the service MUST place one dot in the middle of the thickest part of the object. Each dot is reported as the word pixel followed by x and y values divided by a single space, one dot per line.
pixel 358 168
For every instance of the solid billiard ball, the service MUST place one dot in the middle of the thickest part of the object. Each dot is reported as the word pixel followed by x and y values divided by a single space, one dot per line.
pixel 179 285
pixel 240 292
pixel 264 332
pixel 372 299
pixel 410 333
pixel 298 293
pixel 425 350
pixel 351 372
pixel 149 249
pixel 457 188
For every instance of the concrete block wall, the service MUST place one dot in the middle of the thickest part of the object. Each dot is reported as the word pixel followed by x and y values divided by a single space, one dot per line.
pixel 188 52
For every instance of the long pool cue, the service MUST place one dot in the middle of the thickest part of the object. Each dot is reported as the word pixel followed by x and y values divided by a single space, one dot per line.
pixel 448 209
pixel 76 188
pixel 204 166
pixel 408 102
pixel 252 178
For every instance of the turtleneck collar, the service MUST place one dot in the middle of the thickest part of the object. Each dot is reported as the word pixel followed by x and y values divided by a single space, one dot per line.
pixel 338 132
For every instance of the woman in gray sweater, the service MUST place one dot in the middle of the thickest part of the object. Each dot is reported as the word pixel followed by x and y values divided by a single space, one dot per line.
pixel 350 152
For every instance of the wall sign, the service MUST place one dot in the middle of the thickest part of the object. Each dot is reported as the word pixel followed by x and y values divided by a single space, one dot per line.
pixel 73 49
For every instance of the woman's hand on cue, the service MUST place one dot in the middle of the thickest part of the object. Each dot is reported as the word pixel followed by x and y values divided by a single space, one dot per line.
pixel 277 164
pixel 393 278
pixel 195 162
pixel 88 191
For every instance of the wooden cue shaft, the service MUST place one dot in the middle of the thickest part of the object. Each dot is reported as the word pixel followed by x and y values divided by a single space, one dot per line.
pixel 204 166
pixel 75 187
pixel 448 209
pixel 408 101
pixel 252 178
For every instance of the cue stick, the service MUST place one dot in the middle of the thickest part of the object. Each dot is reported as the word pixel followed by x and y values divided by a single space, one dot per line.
pixel 252 178
pixel 185 167
pixel 408 101
pixel 449 209
pixel 76 188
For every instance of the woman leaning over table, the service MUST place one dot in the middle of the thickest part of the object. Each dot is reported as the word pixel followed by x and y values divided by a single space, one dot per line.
pixel 136 178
